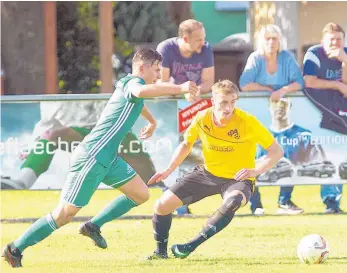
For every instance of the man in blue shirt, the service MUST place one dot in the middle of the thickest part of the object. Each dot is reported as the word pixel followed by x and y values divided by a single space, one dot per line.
pixel 325 75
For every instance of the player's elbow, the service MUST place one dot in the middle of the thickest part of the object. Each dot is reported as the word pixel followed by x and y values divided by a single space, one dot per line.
pixel 276 151
pixel 139 93
pixel 187 146
pixel 279 153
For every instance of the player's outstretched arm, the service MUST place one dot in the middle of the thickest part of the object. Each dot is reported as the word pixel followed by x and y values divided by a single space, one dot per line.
pixel 181 152
pixel 164 89
pixel 274 154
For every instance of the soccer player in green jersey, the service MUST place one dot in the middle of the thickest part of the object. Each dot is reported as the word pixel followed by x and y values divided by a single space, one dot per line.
pixel 96 160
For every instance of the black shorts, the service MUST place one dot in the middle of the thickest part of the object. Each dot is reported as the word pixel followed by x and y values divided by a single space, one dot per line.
pixel 199 183
pixel 333 107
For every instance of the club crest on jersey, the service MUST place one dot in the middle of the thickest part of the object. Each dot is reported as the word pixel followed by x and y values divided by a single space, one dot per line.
pixel 234 133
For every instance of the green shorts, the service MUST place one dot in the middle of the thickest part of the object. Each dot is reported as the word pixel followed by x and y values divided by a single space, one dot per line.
pixel 86 174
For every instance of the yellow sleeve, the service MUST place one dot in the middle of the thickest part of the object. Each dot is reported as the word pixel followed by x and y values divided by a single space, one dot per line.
pixel 262 135
pixel 191 134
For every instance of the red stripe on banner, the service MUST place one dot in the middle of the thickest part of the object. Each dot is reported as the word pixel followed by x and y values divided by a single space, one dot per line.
pixel 186 115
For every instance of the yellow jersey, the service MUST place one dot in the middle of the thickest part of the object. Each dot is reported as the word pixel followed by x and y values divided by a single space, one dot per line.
pixel 226 150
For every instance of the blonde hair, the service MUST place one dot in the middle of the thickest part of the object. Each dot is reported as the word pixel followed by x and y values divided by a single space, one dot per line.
pixel 270 29
pixel 225 87
pixel 332 27
pixel 188 26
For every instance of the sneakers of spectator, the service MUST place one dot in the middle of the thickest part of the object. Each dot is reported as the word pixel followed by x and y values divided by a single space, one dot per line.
pixel 259 211
pixel 332 207
pixel 333 211
pixel 289 208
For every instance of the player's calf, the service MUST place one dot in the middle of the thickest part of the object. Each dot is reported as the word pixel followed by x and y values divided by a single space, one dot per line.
pixel 217 222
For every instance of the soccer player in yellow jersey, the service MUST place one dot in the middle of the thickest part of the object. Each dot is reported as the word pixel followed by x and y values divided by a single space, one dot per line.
pixel 229 138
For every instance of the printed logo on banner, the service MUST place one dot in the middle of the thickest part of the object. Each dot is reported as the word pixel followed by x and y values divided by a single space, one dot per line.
pixel 186 115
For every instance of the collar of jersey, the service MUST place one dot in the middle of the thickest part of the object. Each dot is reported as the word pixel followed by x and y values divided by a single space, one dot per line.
pixel 283 129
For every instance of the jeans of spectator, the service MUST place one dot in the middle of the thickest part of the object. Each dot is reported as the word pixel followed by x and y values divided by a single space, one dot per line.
pixel 284 197
pixel 333 107
pixel 255 200
pixel 285 194
pixel 332 192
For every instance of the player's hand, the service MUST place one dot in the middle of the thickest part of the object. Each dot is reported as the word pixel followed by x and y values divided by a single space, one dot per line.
pixel 189 87
pixel 276 95
pixel 147 131
pixel 159 176
pixel 245 174
pixel 337 53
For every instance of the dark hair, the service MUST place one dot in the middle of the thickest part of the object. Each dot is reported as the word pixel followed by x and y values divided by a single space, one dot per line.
pixel 147 55
pixel 332 27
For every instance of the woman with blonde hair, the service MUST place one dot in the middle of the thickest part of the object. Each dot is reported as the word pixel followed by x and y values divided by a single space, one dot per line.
pixel 272 68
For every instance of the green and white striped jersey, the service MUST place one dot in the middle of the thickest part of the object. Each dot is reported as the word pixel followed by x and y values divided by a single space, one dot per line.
pixel 116 120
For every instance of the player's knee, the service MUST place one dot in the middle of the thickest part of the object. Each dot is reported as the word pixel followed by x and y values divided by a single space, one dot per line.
pixel 63 215
pixel 62 219
pixel 143 197
pixel 161 208
pixel 232 203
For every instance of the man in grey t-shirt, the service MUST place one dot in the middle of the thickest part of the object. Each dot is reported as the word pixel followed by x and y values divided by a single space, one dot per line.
pixel 188 58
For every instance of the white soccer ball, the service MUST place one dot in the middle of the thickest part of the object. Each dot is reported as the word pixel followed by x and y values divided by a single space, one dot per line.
pixel 313 249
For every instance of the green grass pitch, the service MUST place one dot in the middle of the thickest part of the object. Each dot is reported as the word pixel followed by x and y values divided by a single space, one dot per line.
pixel 248 244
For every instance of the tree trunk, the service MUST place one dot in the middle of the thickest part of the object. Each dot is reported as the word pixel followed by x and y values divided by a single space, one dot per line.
pixel 23 47
pixel 179 11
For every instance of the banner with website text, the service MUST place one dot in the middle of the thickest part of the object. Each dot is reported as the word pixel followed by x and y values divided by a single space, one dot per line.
pixel 312 155
pixel 29 163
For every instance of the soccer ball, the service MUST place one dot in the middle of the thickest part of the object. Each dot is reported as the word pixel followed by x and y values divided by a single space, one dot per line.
pixel 313 249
